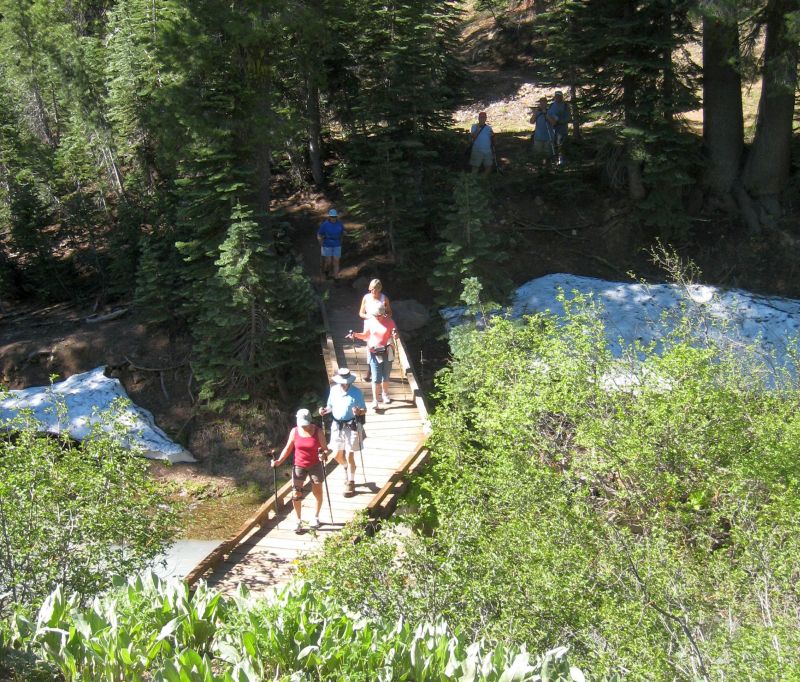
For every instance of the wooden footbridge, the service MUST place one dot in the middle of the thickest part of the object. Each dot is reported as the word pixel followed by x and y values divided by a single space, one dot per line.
pixel 262 554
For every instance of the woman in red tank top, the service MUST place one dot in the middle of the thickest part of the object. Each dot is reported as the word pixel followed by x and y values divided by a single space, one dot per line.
pixel 306 439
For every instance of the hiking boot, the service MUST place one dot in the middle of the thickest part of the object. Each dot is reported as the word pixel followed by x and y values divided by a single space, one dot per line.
pixel 298 527
pixel 349 488
pixel 386 399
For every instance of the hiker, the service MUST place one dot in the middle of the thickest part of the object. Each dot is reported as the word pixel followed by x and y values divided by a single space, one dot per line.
pixel 559 115
pixel 345 404
pixel 482 145
pixel 372 299
pixel 379 331
pixel 369 303
pixel 307 440
pixel 329 236
pixel 543 137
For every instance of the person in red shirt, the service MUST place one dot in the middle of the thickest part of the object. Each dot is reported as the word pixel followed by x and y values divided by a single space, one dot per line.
pixel 306 439
pixel 379 332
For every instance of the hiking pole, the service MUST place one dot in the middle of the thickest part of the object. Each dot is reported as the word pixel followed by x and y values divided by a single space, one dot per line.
pixel 496 166
pixel 274 481
pixel 325 481
pixel 353 349
pixel 361 449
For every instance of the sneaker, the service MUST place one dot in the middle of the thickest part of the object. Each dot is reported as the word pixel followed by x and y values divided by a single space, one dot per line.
pixel 386 399
pixel 316 523
pixel 373 405
pixel 349 488
pixel 299 527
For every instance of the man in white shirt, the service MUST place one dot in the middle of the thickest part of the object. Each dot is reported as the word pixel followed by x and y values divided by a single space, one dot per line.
pixel 482 153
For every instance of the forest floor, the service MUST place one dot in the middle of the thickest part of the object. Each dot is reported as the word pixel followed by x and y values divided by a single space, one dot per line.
pixel 558 220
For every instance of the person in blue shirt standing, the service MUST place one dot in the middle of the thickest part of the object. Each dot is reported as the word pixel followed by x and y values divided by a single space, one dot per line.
pixel 329 236
pixel 558 114
pixel 482 150
pixel 345 404
pixel 543 138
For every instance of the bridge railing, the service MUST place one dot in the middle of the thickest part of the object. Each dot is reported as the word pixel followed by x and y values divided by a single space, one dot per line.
pixel 383 502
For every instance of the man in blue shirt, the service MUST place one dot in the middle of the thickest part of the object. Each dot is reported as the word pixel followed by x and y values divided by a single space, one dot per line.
pixel 345 405
pixel 543 138
pixel 558 115
pixel 329 236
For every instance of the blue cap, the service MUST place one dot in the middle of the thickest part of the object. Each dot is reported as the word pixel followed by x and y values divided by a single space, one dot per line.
pixel 332 213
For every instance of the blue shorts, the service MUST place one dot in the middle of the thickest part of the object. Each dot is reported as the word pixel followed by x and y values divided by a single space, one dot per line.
pixel 331 251
pixel 380 370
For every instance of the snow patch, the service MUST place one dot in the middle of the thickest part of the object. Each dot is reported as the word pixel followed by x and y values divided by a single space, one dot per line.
pixel 84 397
pixel 634 311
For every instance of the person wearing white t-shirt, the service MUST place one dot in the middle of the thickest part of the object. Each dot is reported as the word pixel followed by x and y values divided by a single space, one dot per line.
pixel 482 153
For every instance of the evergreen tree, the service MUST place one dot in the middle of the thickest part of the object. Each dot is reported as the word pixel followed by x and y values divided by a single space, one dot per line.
pixel 262 319
pixel 470 248
pixel 395 102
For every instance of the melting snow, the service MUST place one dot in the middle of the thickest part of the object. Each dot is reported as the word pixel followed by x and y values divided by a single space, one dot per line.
pixel 84 397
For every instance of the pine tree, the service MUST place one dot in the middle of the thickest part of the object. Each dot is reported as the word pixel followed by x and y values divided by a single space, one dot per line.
pixel 261 322
pixel 470 248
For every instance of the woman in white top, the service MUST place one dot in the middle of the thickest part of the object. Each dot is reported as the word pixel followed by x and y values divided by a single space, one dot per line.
pixel 374 298
pixel 370 304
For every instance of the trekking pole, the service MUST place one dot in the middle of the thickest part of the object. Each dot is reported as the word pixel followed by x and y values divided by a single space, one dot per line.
pixel 325 481
pixel 496 166
pixel 361 449
pixel 274 481
pixel 353 348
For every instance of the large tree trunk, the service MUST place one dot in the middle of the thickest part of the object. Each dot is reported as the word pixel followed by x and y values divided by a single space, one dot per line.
pixel 314 132
pixel 633 165
pixel 723 127
pixel 766 171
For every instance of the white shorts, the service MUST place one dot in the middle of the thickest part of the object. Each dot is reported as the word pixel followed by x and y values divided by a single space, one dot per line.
pixel 343 437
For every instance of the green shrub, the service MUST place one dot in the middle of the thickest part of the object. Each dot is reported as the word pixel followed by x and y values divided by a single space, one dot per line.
pixel 146 629
pixel 73 514
pixel 649 523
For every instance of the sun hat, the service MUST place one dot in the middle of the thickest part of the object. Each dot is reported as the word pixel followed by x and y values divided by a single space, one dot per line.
pixel 332 213
pixel 344 377
pixel 303 417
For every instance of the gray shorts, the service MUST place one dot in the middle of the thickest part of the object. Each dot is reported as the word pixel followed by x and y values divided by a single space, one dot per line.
pixel 299 475
pixel 478 158
pixel 543 148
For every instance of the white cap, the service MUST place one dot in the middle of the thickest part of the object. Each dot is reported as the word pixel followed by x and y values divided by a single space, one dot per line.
pixel 303 417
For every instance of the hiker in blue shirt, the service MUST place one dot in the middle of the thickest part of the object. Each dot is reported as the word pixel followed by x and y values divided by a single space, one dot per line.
pixel 559 115
pixel 345 405
pixel 543 137
pixel 329 236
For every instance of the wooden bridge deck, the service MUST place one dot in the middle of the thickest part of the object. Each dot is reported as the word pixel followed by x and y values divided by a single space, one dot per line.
pixel 263 555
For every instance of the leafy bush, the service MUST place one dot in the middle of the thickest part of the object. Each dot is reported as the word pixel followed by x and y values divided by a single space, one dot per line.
pixel 73 514
pixel 642 509
pixel 151 630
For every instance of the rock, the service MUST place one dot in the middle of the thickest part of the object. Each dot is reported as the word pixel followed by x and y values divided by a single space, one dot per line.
pixel 409 315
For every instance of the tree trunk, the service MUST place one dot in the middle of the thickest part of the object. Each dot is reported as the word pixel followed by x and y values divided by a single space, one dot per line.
pixel 636 189
pixel 766 171
pixel 723 127
pixel 314 132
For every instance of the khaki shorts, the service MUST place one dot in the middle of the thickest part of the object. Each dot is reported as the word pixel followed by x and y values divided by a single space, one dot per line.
pixel 478 158
pixel 344 437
